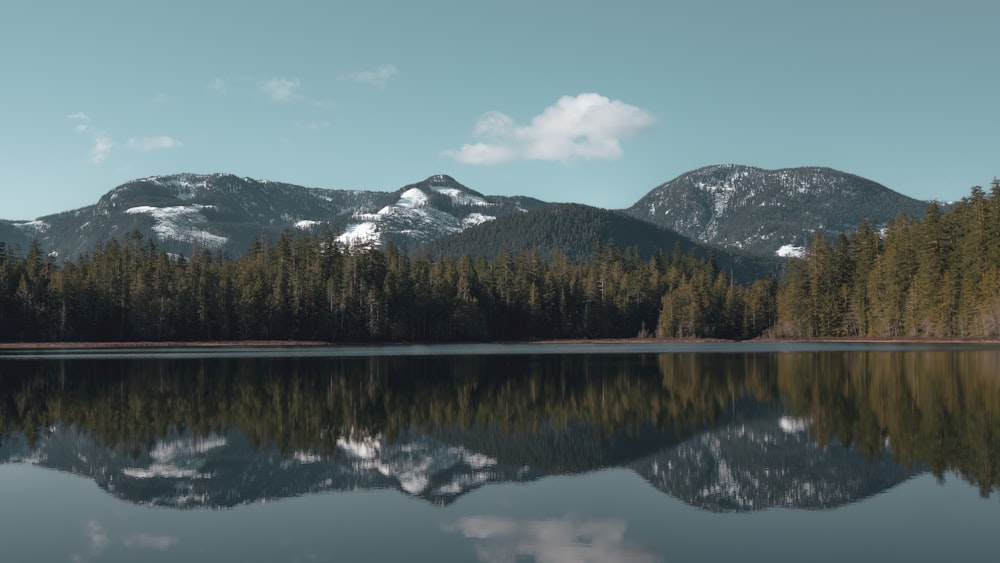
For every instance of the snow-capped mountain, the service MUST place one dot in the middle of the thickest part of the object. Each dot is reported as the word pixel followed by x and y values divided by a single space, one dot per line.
pixel 422 212
pixel 739 208
pixel 769 211
pixel 223 212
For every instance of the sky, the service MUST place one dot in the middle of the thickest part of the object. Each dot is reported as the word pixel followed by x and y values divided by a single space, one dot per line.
pixel 584 101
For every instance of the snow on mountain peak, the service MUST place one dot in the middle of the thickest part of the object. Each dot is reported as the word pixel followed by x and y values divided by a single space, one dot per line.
pixel 460 197
pixel 183 223
pixel 413 197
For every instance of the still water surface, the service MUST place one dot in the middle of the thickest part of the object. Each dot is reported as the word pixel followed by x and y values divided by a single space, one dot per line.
pixel 536 453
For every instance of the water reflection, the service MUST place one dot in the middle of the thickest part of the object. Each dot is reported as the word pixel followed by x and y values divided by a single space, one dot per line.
pixel 504 540
pixel 723 432
pixel 98 541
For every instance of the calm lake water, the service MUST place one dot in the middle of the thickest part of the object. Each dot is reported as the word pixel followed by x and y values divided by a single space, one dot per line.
pixel 502 453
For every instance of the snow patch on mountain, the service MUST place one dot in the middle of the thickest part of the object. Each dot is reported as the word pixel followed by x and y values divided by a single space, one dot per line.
pixel 473 219
pixel 306 224
pixel 183 223
pixel 358 234
pixel 34 226
pixel 460 197
pixel 410 199
pixel 791 251
pixel 412 215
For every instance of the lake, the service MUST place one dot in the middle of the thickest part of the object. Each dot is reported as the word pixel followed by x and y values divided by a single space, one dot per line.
pixel 558 453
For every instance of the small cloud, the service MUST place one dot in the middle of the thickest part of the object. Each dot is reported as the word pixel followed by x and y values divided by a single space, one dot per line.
pixel 146 144
pixel 588 126
pixel 216 85
pixel 83 120
pixel 160 98
pixel 102 146
pixel 102 141
pixel 378 77
pixel 323 104
pixel 280 89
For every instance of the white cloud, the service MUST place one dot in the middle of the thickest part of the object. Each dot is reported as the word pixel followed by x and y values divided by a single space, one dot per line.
pixel 102 146
pixel 160 98
pixel 280 89
pixel 217 85
pixel 588 126
pixel 377 77
pixel 146 144
pixel 102 142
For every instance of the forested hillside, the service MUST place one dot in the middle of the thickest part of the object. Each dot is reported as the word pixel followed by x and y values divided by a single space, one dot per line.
pixel 573 230
pixel 938 276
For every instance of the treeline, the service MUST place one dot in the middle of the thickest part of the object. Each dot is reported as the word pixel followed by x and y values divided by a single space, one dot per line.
pixel 938 276
pixel 311 288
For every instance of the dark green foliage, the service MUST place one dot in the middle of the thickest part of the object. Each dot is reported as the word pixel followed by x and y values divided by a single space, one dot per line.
pixel 572 231
pixel 308 287
pixel 935 277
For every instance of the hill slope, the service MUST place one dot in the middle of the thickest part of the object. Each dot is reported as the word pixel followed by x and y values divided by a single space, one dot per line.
pixel 759 211
pixel 226 213
pixel 575 229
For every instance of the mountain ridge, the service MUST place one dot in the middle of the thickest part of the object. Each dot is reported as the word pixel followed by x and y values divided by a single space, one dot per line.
pixel 760 210
pixel 731 207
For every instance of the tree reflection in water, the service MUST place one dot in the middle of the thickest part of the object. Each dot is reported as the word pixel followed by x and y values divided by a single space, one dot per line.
pixel 552 413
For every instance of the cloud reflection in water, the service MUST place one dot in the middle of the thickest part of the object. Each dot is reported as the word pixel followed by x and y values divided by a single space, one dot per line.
pixel 503 540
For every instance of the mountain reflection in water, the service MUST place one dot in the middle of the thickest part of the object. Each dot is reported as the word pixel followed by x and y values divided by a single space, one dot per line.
pixel 723 432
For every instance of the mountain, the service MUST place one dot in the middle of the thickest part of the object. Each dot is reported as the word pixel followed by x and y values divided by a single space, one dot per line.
pixel 420 213
pixel 226 213
pixel 764 211
pixel 739 209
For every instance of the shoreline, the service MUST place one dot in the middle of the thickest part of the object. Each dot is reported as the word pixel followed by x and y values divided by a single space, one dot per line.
pixel 83 345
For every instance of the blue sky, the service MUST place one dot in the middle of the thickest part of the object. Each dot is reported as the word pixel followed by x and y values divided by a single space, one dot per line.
pixel 594 102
